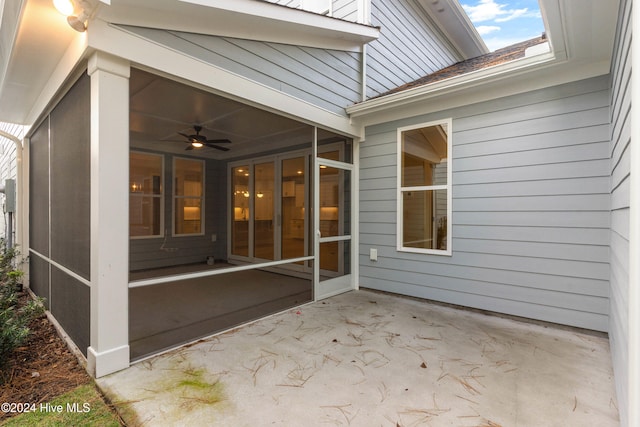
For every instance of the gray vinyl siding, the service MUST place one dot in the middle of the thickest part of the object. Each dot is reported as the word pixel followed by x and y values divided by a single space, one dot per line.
pixel 345 9
pixel 329 79
pixel 530 208
pixel 409 46
pixel 620 116
pixel 147 253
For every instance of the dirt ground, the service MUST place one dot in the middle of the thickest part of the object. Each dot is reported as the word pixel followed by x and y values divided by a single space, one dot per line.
pixel 42 369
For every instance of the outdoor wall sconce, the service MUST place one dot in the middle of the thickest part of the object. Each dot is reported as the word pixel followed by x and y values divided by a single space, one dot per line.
pixel 68 7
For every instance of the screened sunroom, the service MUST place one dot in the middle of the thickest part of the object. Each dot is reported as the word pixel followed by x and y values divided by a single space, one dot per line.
pixel 234 213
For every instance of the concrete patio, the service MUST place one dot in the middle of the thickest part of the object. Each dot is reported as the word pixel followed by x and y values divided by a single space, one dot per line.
pixel 370 359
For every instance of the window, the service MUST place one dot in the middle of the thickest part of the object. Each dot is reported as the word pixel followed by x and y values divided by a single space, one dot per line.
pixel 424 188
pixel 145 195
pixel 188 193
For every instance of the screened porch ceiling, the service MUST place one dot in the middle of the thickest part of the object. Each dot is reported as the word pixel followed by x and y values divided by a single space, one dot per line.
pixel 160 108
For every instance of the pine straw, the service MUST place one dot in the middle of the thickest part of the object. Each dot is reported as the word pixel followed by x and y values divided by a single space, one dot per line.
pixel 40 370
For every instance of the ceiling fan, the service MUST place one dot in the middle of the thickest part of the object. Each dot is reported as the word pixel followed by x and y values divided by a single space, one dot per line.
pixel 198 141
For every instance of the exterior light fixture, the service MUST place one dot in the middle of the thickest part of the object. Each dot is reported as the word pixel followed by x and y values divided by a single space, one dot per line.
pixel 65 7
pixel 78 22
pixel 75 21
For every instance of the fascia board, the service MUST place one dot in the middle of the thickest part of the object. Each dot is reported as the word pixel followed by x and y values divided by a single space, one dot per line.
pixel 454 22
pixel 176 65
pixel 248 19
pixel 459 94
pixel 452 84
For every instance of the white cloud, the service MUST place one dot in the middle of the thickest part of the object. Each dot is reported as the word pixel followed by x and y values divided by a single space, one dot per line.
pixel 486 10
pixel 520 13
pixel 486 29
pixel 489 10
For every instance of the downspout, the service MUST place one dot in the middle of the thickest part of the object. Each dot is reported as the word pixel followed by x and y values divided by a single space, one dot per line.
pixel 633 384
pixel 363 73
pixel 19 180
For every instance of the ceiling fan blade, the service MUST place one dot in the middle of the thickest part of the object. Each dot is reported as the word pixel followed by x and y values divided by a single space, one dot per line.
pixel 185 135
pixel 189 147
pixel 217 147
pixel 218 141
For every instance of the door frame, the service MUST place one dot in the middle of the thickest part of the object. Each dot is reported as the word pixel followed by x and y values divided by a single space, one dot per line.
pixel 345 282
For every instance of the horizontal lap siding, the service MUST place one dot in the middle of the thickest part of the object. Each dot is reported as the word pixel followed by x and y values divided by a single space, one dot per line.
pixel 530 208
pixel 620 116
pixel 329 79
pixel 409 46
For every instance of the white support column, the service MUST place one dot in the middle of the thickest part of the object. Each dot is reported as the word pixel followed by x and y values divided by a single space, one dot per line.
pixel 109 349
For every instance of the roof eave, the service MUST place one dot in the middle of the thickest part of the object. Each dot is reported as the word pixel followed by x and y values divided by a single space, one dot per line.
pixel 454 22
pixel 454 84
pixel 249 19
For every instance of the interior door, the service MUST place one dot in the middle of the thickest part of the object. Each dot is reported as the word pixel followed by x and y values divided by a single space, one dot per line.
pixel 333 222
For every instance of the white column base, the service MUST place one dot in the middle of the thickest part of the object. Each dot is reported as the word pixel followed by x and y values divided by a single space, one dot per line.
pixel 108 362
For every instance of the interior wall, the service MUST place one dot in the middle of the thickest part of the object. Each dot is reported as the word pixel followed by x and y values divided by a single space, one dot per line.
pixel 531 208
pixel 158 252
pixel 620 114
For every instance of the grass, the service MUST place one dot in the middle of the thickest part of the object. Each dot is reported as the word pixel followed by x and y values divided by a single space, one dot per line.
pixel 81 406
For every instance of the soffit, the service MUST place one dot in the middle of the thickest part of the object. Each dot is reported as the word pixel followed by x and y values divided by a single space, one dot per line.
pixel 41 38
pixel 34 46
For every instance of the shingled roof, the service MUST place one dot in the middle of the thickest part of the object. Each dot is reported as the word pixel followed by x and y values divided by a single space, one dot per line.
pixel 500 56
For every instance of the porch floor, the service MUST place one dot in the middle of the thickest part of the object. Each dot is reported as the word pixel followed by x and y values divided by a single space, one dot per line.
pixel 364 358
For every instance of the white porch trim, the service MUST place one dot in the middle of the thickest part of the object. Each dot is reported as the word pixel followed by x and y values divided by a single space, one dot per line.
pixel 109 345
pixel 156 58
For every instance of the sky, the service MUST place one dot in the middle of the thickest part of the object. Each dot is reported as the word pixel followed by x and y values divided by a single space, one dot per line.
pixel 504 22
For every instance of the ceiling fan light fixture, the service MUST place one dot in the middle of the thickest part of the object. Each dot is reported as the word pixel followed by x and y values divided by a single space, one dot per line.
pixel 197 144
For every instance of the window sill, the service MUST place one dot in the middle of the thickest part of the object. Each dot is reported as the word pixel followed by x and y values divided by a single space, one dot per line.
pixel 425 251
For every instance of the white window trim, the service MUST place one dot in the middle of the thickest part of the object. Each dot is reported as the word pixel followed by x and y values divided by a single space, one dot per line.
pixel 160 196
pixel 399 211
pixel 175 197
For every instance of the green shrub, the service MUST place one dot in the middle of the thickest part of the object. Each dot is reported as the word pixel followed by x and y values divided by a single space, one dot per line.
pixel 14 318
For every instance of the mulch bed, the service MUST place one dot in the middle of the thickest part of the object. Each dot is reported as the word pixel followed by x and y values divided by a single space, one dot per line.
pixel 42 369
